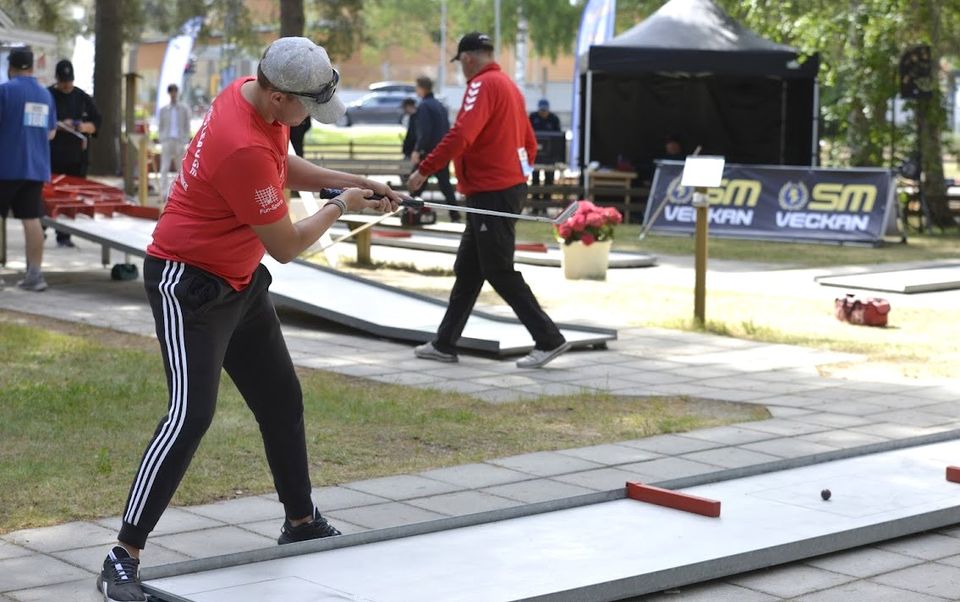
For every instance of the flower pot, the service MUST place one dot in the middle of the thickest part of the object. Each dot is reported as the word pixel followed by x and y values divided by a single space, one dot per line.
pixel 586 262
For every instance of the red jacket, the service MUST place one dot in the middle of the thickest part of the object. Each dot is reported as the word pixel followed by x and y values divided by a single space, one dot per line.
pixel 486 142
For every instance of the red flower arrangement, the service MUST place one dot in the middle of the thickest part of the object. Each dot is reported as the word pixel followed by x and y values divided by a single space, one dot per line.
pixel 589 224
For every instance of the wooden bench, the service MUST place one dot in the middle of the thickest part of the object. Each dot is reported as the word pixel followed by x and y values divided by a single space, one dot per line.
pixel 560 195
pixel 913 209
pixel 368 167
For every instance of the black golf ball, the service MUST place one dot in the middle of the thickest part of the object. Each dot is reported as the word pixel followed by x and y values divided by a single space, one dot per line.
pixel 825 494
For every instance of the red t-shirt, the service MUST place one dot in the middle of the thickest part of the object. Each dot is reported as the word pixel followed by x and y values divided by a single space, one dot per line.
pixel 232 177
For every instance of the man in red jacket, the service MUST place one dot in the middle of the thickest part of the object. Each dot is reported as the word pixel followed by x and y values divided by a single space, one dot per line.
pixel 493 147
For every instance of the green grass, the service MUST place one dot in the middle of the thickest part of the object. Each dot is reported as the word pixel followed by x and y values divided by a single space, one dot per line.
pixel 79 406
pixel 359 135
pixel 924 247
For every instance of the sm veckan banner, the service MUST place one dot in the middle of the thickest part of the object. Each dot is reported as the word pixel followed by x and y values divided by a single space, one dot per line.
pixel 781 203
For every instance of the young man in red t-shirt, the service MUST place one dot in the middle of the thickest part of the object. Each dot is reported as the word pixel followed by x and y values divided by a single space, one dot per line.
pixel 209 296
pixel 493 147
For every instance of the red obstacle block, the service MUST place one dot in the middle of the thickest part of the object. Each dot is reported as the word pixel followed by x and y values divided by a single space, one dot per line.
pixel 71 196
pixel 673 499
pixel 391 234
pixel 535 247
pixel 953 474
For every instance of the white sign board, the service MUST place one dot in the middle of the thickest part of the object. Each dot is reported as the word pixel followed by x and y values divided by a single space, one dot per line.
pixel 702 171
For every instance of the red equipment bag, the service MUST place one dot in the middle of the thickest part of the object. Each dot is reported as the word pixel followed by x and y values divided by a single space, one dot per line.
pixel 871 311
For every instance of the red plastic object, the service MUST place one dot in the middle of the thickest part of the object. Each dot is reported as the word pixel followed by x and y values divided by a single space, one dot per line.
pixel 72 196
pixel 536 247
pixel 953 474
pixel 673 499
pixel 391 234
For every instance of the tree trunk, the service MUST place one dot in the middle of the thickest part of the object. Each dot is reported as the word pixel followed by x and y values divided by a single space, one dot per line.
pixel 107 78
pixel 291 18
pixel 932 119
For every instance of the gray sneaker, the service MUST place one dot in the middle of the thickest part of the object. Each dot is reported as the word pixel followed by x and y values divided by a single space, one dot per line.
pixel 428 352
pixel 33 282
pixel 538 358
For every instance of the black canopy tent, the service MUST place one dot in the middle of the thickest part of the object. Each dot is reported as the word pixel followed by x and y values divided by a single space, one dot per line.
pixel 691 71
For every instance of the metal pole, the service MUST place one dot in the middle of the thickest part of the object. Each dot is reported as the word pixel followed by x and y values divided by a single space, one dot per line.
pixel 496 30
pixel 700 258
pixel 815 144
pixel 520 75
pixel 442 71
pixel 586 134
pixel 129 119
pixel 783 122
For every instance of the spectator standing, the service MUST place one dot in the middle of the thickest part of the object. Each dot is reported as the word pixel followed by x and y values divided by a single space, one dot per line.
pixel 433 123
pixel 298 133
pixel 409 106
pixel 209 291
pixel 542 120
pixel 173 127
pixel 28 120
pixel 672 149
pixel 492 146
pixel 78 120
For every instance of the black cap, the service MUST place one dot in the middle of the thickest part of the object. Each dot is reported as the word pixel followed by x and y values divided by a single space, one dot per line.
pixel 21 58
pixel 64 71
pixel 473 41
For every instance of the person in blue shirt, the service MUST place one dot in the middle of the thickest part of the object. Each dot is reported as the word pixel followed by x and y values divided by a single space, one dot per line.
pixel 28 121
pixel 543 120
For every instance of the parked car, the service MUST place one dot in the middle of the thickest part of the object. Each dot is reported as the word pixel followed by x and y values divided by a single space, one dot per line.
pixel 376 107
pixel 399 87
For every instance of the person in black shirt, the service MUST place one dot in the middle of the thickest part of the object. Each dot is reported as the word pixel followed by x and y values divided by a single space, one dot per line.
pixel 78 120
pixel 543 121
pixel 410 140
pixel 432 123
pixel 297 134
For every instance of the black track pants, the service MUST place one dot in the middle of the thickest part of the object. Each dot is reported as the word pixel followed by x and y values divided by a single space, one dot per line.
pixel 204 325
pixel 486 254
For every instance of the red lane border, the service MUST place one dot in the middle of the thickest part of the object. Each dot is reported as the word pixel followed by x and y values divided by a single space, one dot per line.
pixel 673 499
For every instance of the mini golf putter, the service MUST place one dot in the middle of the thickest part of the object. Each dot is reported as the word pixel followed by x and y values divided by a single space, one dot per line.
pixel 329 193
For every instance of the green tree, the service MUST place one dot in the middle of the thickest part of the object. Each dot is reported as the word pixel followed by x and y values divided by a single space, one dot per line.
pixel 52 16
pixel 861 42
pixel 552 26
pixel 338 26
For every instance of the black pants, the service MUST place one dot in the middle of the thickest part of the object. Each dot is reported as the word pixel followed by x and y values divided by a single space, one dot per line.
pixel 443 181
pixel 203 325
pixel 548 176
pixel 486 254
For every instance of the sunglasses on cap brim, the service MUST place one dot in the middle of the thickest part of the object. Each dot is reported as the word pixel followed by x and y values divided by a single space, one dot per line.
pixel 321 96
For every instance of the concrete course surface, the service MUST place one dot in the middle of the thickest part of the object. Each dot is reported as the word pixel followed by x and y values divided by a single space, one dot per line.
pixel 812 414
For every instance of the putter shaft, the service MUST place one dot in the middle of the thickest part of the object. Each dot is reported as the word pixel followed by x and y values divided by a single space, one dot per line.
pixel 416 203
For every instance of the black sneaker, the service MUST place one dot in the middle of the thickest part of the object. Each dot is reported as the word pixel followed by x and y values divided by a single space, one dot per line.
pixel 119 581
pixel 315 529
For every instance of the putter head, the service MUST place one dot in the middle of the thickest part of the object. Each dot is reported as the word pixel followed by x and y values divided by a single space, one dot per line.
pixel 566 213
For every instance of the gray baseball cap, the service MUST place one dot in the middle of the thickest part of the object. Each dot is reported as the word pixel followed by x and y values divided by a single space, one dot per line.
pixel 298 66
